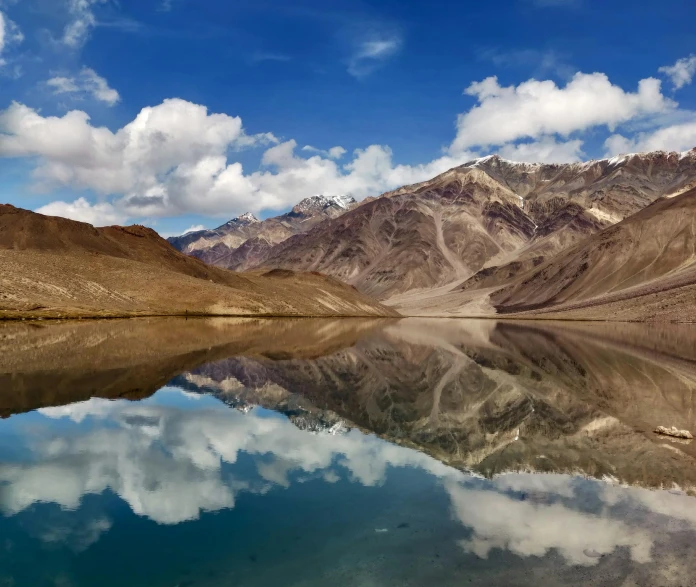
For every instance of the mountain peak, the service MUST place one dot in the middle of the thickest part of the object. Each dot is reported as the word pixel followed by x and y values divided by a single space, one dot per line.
pixel 319 203
pixel 246 218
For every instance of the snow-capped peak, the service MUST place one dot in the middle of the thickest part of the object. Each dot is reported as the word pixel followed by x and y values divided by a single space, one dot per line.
pixel 318 203
pixel 246 218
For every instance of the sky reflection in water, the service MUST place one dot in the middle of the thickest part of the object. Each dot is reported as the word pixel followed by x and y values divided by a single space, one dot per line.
pixel 178 457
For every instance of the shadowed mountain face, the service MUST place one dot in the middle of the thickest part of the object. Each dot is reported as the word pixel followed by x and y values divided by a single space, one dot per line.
pixel 651 253
pixel 243 242
pixel 478 395
pixel 484 215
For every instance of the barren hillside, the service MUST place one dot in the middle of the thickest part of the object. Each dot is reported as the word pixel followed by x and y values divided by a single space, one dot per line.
pixel 488 215
pixel 53 267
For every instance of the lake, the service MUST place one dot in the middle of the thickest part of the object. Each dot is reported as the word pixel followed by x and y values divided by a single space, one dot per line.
pixel 415 452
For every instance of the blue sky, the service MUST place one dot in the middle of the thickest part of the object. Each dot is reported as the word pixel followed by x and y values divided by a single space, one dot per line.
pixel 177 113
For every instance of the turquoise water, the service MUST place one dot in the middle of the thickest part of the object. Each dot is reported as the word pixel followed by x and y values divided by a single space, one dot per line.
pixel 183 489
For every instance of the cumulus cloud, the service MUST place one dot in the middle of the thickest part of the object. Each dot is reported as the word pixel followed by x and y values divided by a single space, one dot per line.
pixel 545 150
pixel 99 214
pixel 332 153
pixel 87 82
pixel 370 54
pixel 677 137
pixel 174 141
pixel 682 72
pixel 174 159
pixel 177 158
pixel 537 108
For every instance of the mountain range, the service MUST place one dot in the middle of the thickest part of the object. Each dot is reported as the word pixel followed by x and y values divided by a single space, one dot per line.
pixel 245 241
pixel 496 237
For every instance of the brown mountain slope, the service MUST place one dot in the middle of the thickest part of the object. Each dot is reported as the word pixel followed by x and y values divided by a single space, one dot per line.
pixel 486 213
pixel 652 252
pixel 53 267
pixel 241 243
pixel 416 240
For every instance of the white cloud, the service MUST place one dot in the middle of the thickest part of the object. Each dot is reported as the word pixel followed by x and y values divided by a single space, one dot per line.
pixel 86 82
pixel 677 137
pixel 82 21
pixel 173 159
pixel 370 54
pixel 537 108
pixel 195 228
pixel 528 529
pixel 144 160
pixel 9 34
pixel 177 158
pixel 545 150
pixel 682 72
pixel 166 462
pixel 332 153
pixel 100 214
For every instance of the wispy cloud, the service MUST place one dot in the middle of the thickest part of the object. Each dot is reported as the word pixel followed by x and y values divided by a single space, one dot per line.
pixel 9 34
pixel 261 56
pixel 539 62
pixel 82 21
pixel 195 228
pixel 87 82
pixel 372 53
pixel 682 72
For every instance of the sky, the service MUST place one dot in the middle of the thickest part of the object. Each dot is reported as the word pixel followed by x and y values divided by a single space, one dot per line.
pixel 185 113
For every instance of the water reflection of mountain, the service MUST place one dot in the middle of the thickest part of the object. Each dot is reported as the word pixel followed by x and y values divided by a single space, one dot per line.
pixel 478 395
pixel 51 364
pixel 493 396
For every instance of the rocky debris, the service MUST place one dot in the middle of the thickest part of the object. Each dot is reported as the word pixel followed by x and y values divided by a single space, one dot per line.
pixel 674 432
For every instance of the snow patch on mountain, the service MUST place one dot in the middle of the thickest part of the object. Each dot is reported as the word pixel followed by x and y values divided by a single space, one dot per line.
pixel 318 203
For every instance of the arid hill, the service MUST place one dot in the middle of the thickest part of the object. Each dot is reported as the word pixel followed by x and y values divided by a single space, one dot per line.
pixel 244 242
pixel 490 214
pixel 650 254
pixel 641 269
pixel 53 267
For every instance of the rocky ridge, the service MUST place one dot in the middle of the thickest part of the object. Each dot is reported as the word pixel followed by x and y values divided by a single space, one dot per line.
pixel 242 243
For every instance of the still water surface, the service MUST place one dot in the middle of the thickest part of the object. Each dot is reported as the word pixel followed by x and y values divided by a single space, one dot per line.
pixel 371 453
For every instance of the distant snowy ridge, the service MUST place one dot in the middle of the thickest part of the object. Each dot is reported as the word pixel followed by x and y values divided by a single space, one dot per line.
pixel 320 202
